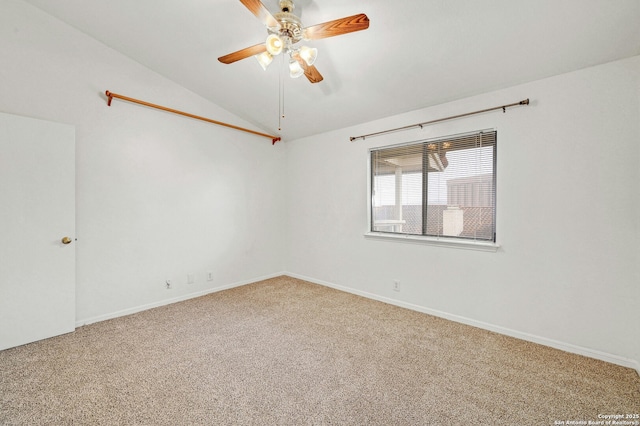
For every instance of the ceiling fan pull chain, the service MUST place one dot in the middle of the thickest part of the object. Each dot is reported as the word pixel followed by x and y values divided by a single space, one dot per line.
pixel 280 95
pixel 283 83
pixel 280 100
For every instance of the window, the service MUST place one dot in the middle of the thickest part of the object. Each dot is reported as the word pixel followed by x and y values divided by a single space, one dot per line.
pixel 442 188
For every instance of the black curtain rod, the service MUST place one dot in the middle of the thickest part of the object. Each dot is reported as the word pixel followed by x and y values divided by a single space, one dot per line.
pixel 412 126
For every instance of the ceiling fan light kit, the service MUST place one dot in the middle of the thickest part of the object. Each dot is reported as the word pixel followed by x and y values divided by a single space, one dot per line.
pixel 274 44
pixel 283 37
pixel 285 30
pixel 264 59
pixel 295 69
pixel 309 54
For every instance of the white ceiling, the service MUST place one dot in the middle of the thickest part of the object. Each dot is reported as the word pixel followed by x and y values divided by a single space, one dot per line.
pixel 416 53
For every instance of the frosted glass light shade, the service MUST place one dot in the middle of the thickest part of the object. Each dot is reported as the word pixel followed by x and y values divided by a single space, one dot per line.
pixel 295 70
pixel 274 44
pixel 264 59
pixel 308 54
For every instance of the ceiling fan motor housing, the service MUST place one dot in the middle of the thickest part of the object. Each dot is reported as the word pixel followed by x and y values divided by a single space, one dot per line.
pixel 290 24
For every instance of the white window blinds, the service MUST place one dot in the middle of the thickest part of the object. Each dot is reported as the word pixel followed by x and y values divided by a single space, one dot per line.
pixel 442 188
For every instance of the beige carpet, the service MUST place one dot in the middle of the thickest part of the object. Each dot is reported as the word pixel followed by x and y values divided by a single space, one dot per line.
pixel 287 352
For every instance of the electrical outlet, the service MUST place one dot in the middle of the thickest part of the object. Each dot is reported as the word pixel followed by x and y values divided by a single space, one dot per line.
pixel 168 284
pixel 191 278
pixel 396 285
pixel 209 276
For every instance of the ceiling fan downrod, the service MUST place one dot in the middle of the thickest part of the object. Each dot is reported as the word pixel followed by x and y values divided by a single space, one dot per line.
pixel 287 5
pixel 290 24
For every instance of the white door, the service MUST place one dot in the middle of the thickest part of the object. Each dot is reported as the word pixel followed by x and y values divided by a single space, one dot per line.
pixel 37 210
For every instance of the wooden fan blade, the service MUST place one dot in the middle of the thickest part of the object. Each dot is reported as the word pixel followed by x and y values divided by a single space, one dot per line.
pixel 338 27
pixel 310 71
pixel 312 74
pixel 243 53
pixel 260 11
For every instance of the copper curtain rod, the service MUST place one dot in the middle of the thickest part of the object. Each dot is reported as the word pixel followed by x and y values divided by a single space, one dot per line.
pixel 111 95
pixel 384 132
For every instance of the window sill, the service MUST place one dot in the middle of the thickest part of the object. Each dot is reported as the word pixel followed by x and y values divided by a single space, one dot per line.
pixel 435 241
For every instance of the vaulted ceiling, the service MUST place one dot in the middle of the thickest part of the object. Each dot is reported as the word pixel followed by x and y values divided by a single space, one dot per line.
pixel 415 54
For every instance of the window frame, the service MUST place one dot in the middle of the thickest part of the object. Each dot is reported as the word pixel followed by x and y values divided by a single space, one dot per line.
pixel 442 241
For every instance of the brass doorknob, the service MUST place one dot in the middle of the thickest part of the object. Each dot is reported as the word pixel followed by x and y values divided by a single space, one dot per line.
pixel 66 240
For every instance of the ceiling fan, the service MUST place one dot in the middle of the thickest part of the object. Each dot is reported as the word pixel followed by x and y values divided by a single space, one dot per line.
pixel 286 31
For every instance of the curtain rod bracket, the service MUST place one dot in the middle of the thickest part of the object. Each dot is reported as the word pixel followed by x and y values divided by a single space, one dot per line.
pixel 274 140
pixel 109 97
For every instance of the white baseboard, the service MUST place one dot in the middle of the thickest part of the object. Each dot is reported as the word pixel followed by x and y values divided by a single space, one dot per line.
pixel 567 347
pixel 164 302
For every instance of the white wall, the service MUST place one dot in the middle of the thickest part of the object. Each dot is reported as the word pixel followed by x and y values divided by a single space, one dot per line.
pixel 567 272
pixel 158 195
